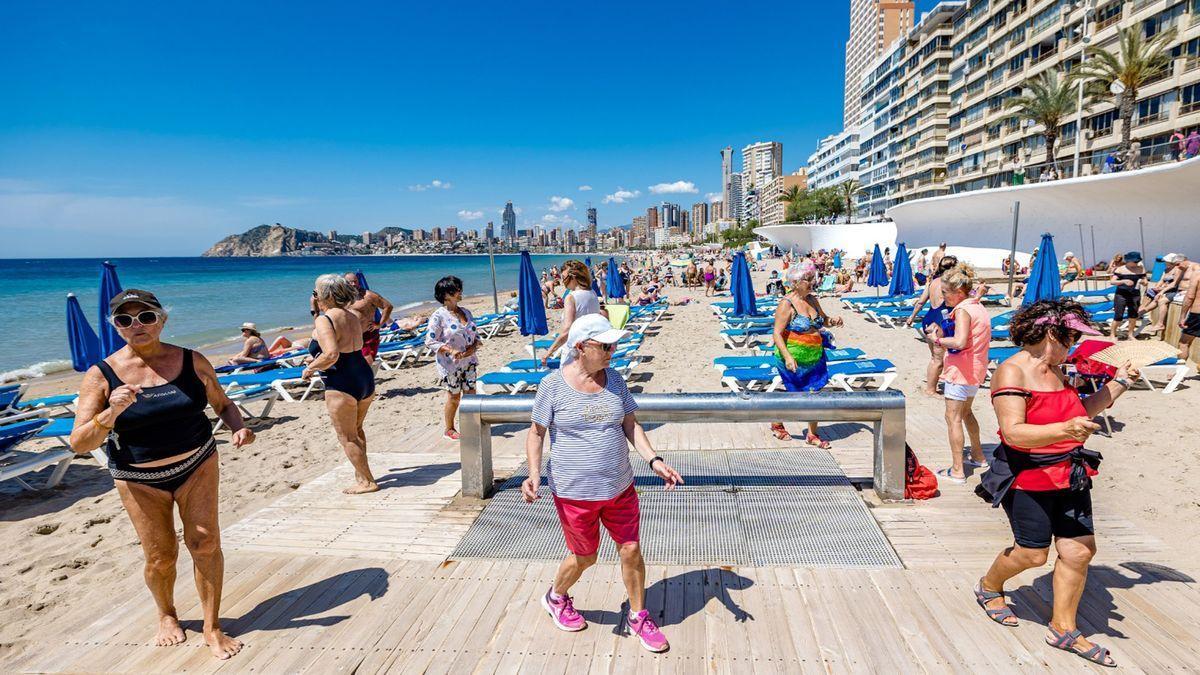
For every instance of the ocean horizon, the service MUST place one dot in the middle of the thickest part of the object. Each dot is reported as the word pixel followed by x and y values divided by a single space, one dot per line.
pixel 208 298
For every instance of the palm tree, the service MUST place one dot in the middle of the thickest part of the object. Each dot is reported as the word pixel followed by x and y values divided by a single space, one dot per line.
pixel 792 197
pixel 1138 63
pixel 847 190
pixel 1047 100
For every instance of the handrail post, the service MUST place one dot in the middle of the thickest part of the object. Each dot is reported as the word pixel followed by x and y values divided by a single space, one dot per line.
pixel 890 434
pixel 475 443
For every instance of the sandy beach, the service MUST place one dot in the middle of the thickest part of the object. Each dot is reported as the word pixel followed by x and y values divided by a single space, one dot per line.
pixel 64 548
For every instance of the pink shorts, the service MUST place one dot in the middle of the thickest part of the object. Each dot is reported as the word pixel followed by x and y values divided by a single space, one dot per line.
pixel 580 520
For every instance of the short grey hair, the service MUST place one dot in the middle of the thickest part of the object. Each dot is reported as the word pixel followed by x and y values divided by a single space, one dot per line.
pixel 335 290
pixel 805 271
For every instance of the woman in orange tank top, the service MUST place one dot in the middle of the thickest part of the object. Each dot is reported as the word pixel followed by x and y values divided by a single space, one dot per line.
pixel 1041 473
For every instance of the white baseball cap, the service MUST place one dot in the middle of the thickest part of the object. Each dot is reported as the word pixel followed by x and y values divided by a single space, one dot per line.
pixel 1068 254
pixel 593 327
pixel 1173 258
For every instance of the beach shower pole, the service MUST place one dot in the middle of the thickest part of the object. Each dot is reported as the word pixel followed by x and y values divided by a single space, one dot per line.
pixel 1142 235
pixel 1081 249
pixel 495 295
pixel 1012 254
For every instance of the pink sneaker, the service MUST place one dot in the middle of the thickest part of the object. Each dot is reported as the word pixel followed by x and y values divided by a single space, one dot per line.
pixel 645 629
pixel 563 613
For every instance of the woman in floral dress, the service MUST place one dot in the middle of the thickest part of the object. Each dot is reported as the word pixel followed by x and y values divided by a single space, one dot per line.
pixel 453 338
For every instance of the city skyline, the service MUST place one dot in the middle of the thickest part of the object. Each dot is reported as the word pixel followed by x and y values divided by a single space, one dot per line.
pixel 146 130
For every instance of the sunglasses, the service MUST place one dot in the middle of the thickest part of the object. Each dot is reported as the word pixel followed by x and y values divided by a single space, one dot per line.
pixel 146 318
pixel 605 347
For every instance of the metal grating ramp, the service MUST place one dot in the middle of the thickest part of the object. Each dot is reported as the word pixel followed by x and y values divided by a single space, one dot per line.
pixel 739 507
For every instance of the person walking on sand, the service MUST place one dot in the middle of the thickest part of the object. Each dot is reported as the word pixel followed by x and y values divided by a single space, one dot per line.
pixel 453 337
pixel 937 315
pixel 579 301
pixel 145 403
pixel 590 417
pixel 349 382
pixel 710 278
pixel 964 367
pixel 1041 472
pixel 364 308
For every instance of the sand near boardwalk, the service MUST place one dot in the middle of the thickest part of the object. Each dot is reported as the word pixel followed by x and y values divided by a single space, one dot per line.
pixel 65 547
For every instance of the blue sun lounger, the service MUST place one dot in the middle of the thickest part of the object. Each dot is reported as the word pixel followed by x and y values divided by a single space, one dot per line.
pixel 848 375
pixel 727 362
pixel 15 463
pixel 739 338
pixel 280 380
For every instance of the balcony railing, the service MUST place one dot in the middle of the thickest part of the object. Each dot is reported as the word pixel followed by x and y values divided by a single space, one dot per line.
pixel 1151 118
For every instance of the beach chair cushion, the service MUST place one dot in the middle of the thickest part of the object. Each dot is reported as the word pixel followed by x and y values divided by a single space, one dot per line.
pixel 13 434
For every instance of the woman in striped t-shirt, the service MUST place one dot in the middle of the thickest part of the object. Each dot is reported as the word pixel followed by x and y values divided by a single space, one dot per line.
pixel 589 414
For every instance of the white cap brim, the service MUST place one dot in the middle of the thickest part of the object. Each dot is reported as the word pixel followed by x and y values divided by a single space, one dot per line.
pixel 611 336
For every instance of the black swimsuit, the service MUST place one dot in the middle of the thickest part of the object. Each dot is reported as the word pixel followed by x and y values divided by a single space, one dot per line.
pixel 164 421
pixel 1127 299
pixel 351 374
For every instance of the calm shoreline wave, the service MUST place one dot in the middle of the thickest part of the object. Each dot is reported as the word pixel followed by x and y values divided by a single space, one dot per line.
pixel 209 297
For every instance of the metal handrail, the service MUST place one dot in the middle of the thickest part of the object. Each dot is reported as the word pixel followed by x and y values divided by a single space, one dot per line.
pixel 884 409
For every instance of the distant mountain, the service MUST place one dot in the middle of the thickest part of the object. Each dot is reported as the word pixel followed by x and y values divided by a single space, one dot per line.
pixel 265 241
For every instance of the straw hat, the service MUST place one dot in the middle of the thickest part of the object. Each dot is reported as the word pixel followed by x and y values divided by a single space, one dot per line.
pixel 250 326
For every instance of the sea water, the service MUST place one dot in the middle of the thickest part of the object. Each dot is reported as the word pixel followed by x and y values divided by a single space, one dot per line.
pixel 208 298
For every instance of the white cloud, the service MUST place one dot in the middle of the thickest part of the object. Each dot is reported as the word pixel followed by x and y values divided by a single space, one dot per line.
pixel 678 187
pixel 561 203
pixel 559 220
pixel 714 197
pixel 585 188
pixel 434 184
pixel 470 215
pixel 621 196
pixel 271 201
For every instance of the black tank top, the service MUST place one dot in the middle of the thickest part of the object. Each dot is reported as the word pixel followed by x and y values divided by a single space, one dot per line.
pixel 164 421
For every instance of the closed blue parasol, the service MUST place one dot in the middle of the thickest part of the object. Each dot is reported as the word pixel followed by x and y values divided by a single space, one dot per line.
pixel 878 274
pixel 616 287
pixel 902 275
pixel 742 287
pixel 592 274
pixel 1043 282
pixel 531 314
pixel 1160 268
pixel 110 287
pixel 362 284
pixel 837 260
pixel 85 346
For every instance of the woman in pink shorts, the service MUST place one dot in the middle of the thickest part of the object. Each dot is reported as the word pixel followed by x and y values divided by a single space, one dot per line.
pixel 589 414
pixel 964 367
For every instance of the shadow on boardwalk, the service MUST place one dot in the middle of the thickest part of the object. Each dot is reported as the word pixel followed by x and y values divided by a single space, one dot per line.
pixel 714 583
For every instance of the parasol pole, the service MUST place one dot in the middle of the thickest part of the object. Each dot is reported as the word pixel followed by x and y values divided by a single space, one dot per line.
pixel 1012 254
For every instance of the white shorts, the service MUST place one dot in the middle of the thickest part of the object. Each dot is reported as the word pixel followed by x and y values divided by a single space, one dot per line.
pixel 959 392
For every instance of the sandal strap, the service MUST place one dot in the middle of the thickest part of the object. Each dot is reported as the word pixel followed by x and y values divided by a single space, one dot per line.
pixel 1096 654
pixel 983 595
pixel 1065 640
pixel 999 613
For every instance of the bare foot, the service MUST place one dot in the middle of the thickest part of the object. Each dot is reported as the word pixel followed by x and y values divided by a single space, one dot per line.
pixel 170 633
pixel 221 645
pixel 930 393
pixel 362 488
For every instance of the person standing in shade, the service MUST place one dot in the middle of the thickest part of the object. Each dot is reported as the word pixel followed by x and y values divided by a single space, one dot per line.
pixel 1041 472
pixel 454 338
pixel 336 348
pixel 800 341
pixel 364 308
pixel 964 367
pixel 1128 277
pixel 146 404
pixel 590 417
pixel 579 301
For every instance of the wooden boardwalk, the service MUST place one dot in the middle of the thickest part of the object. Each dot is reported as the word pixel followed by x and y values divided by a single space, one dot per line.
pixel 321 582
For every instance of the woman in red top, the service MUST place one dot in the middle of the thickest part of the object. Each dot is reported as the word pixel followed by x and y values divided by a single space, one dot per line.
pixel 1041 473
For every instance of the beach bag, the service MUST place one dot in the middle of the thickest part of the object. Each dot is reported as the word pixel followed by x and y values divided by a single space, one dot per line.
pixel 919 481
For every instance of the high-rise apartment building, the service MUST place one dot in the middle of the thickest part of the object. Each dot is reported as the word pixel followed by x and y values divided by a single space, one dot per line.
pixel 669 215
pixel 734 205
pixel 874 24
pixel 835 161
pixel 727 175
pixel 591 222
pixel 366 238
pixel 652 221
pixel 772 207
pixel 716 211
pixel 905 105
pixel 489 232
pixel 639 231
pixel 683 222
pixel 508 221
pixel 452 233
pixel 699 218
pixel 762 162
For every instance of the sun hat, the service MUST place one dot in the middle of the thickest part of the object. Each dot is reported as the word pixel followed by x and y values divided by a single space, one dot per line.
pixel 133 295
pixel 1133 256
pixel 250 326
pixel 593 327
pixel 1068 254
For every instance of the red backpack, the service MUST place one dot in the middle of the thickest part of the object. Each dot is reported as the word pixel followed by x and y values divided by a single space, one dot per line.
pixel 919 481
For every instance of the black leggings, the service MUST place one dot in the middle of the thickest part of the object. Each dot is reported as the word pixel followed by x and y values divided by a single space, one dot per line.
pixel 1038 516
pixel 1125 305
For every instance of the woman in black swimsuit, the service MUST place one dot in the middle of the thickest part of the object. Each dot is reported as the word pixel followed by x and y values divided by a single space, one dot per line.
pixel 349 381
pixel 1128 278
pixel 146 403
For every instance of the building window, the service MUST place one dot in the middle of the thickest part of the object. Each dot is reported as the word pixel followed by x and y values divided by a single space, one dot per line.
pixel 1190 97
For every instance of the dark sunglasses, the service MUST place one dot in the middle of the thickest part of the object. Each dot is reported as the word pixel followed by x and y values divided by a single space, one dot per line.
pixel 146 318
pixel 605 347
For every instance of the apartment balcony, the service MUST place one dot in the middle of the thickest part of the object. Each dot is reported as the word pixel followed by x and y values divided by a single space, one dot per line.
pixel 1139 5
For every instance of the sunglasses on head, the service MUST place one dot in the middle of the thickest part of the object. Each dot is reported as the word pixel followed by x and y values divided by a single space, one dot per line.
pixel 146 318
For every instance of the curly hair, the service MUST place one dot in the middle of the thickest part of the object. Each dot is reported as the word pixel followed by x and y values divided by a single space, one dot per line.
pixel 445 286
pixel 1025 328
pixel 577 271
pixel 961 277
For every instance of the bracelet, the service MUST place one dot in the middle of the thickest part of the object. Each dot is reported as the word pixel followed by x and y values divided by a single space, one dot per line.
pixel 97 422
pixel 1123 382
pixel 654 459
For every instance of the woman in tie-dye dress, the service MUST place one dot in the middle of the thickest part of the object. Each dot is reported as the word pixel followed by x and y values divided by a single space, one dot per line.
pixel 800 342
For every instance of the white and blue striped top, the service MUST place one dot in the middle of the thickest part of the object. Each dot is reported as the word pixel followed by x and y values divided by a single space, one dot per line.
pixel 589 454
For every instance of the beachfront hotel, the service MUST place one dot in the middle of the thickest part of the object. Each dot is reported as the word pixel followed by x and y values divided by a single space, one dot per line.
pixel 874 24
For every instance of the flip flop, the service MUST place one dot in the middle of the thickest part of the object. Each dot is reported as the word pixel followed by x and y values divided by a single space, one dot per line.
pixel 1066 642
pixel 1000 614
pixel 945 473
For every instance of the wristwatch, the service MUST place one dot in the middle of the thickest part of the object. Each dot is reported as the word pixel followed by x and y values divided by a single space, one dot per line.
pixel 1123 382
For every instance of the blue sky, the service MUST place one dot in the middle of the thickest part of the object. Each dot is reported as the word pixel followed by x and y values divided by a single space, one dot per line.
pixel 155 129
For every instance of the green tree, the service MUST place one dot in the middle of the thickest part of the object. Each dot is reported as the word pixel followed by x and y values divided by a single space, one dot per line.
pixel 848 190
pixel 1138 62
pixel 1047 99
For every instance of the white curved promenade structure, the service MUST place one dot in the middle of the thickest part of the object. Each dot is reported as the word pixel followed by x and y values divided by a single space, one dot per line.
pixel 1166 197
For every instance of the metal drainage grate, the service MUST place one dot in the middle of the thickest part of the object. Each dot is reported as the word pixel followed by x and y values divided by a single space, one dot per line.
pixel 738 508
